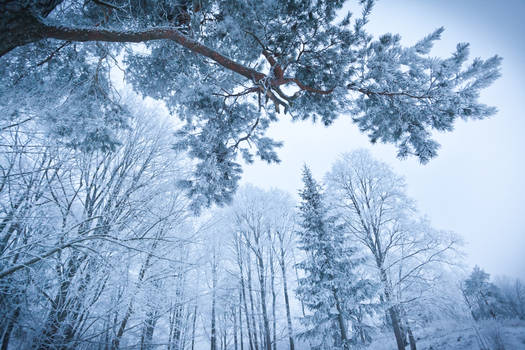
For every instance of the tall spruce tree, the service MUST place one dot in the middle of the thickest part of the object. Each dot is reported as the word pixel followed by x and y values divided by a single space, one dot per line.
pixel 330 288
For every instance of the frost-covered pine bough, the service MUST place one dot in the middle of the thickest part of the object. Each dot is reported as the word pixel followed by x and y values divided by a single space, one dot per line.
pixel 228 69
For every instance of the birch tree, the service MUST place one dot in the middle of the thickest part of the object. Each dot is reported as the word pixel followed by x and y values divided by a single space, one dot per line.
pixel 379 216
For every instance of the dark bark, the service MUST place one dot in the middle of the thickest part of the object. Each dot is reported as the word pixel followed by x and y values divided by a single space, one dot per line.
pixel 241 340
pixel 274 300
pixel 32 30
pixel 288 313
pixel 28 28
pixel 20 21
pixel 11 323
pixel 235 340
pixel 115 344
pixel 147 333
pixel 411 339
pixel 175 327
pixel 286 297
pixel 266 322
pixel 252 306
pixel 193 328
pixel 341 321
pixel 58 330
pixel 394 318
pixel 396 323
pixel 213 341
pixel 392 310
pixel 243 294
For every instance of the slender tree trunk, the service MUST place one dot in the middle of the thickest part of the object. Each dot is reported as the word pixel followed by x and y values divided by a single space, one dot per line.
pixel 411 339
pixel 11 323
pixel 175 327
pixel 60 308
pixel 245 303
pixel 193 328
pixel 274 300
pixel 235 340
pixel 262 285
pixel 394 318
pixel 115 344
pixel 392 310
pixel 247 316
pixel 287 301
pixel 241 340
pixel 213 341
pixel 341 321
pixel 224 340
pixel 260 323
pixel 407 330
pixel 171 326
pixel 252 305
pixel 185 330
pixel 147 333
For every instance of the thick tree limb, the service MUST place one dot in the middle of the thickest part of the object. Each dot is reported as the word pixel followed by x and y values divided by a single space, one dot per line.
pixel 87 34
pixel 160 33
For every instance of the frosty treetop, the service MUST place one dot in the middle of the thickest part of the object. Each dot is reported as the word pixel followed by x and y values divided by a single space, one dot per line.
pixel 228 68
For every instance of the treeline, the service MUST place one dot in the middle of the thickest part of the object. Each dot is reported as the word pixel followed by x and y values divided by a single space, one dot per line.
pixel 349 262
pixel 352 265
pixel 100 249
pixel 94 243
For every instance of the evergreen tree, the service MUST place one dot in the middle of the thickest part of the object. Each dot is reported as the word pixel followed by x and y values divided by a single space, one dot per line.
pixel 228 69
pixel 330 289
pixel 483 297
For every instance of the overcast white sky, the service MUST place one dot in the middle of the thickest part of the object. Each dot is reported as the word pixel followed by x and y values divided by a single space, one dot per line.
pixel 475 186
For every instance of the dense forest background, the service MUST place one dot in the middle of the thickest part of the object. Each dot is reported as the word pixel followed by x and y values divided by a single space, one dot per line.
pixel 102 250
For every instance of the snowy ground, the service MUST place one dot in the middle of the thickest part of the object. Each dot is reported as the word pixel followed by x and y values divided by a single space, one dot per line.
pixel 462 336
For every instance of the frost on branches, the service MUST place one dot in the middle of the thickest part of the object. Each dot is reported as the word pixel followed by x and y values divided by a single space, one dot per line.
pixel 331 289
pixel 228 69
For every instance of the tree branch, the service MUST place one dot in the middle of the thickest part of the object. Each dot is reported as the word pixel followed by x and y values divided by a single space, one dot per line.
pixel 159 33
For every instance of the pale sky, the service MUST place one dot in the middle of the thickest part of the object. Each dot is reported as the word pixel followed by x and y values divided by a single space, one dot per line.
pixel 475 186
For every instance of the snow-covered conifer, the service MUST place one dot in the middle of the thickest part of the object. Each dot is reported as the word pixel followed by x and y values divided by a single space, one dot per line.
pixel 330 288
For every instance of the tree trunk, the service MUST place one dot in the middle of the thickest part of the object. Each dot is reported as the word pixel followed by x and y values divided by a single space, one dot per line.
pixel 175 327
pixel 61 308
pixel 252 305
pixel 115 344
pixel 20 23
pixel 287 302
pixel 11 323
pixel 235 340
pixel 266 322
pixel 213 340
pixel 411 339
pixel 341 321
pixel 392 311
pixel 245 303
pixel 171 327
pixel 193 328
pixel 241 340
pixel 147 333
pixel 274 300
pixel 394 318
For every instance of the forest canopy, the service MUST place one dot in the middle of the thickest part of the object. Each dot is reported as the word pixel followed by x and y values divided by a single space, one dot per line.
pixel 228 69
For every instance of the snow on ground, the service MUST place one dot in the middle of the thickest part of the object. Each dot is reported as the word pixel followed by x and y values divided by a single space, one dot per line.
pixel 462 336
